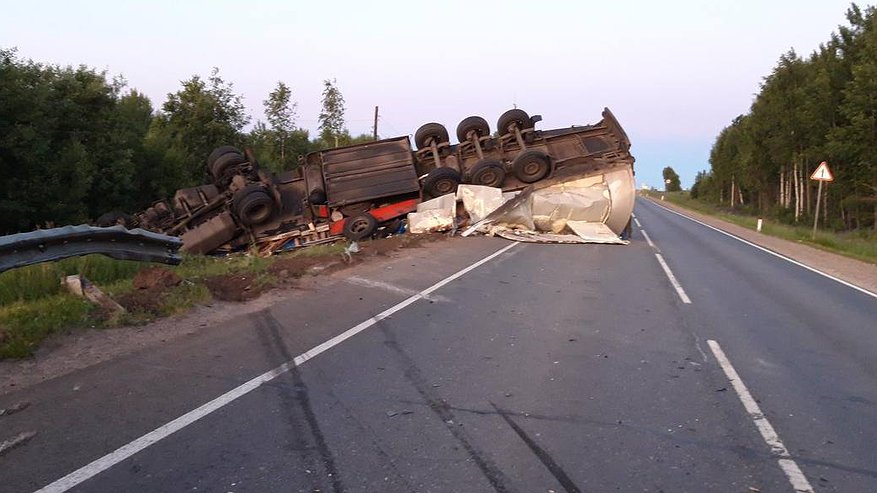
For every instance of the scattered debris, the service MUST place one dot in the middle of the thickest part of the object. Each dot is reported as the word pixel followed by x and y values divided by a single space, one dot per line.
pixel 80 286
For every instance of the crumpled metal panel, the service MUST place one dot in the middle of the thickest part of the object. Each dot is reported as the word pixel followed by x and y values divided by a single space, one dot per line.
pixel 47 245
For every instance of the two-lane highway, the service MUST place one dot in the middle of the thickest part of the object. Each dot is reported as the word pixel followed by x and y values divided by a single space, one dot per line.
pixel 805 344
pixel 517 368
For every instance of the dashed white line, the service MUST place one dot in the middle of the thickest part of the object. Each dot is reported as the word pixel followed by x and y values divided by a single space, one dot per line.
pixel 636 221
pixel 102 464
pixel 790 467
pixel 775 254
pixel 678 287
pixel 649 240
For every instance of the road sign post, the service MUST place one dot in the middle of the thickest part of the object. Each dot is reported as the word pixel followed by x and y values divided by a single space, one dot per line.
pixel 822 174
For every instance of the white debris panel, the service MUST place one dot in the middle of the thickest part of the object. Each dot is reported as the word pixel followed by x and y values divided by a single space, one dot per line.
pixel 434 215
pixel 576 211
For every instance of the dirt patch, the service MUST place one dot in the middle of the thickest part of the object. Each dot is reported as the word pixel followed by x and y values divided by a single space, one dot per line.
pixel 300 265
pixel 235 287
pixel 156 277
pixel 150 286
pixel 385 246
pixel 142 301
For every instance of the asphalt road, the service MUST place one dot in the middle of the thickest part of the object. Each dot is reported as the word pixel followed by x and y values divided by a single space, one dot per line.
pixel 546 368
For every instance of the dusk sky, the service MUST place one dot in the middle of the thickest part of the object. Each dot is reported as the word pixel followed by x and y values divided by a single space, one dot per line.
pixel 674 73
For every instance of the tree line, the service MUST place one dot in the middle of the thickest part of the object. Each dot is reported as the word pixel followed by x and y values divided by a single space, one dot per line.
pixel 819 108
pixel 76 143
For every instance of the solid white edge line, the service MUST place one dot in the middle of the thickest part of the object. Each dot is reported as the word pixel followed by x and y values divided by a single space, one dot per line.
pixel 649 240
pixel 102 464
pixel 775 254
pixel 678 287
pixel 790 467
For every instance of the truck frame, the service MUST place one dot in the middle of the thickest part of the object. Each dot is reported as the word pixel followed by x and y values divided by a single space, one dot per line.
pixel 355 190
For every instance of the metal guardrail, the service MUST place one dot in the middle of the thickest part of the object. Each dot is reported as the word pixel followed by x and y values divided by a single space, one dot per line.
pixel 47 245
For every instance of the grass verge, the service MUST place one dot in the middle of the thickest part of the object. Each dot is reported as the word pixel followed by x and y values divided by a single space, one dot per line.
pixel 861 245
pixel 33 304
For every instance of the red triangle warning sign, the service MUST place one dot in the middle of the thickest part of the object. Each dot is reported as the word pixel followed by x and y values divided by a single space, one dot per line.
pixel 822 173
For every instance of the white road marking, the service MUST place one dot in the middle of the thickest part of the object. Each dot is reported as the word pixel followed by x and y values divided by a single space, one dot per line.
pixel 636 221
pixel 649 240
pixel 700 349
pixel 678 287
pixel 368 283
pixel 102 464
pixel 775 254
pixel 789 466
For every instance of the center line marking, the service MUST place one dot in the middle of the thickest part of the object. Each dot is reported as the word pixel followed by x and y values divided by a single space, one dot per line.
pixel 649 240
pixel 678 287
pixel 102 464
pixel 778 449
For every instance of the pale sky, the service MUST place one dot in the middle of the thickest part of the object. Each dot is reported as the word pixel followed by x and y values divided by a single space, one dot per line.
pixel 673 72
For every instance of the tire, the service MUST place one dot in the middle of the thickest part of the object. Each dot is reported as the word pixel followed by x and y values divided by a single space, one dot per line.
pixel 253 205
pixel 225 162
pixel 359 227
pixel 531 166
pixel 488 173
pixel 476 123
pixel 317 196
pixel 219 151
pixel 510 117
pixel 441 181
pixel 430 132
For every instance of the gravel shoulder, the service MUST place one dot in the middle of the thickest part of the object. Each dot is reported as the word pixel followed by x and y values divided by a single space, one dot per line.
pixel 861 274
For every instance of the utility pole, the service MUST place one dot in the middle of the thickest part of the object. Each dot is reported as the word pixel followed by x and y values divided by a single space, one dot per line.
pixel 376 123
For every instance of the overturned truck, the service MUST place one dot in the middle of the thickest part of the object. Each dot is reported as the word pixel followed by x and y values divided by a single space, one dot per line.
pixel 357 190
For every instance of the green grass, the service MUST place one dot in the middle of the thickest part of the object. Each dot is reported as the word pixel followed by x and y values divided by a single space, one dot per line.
pixel 861 245
pixel 24 324
pixel 33 304
pixel 41 280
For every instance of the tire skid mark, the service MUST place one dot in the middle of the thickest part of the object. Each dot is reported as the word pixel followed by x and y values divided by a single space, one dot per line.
pixel 543 456
pixel 268 329
pixel 440 407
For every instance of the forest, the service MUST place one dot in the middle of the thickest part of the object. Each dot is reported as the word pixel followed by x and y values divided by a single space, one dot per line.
pixel 808 110
pixel 76 143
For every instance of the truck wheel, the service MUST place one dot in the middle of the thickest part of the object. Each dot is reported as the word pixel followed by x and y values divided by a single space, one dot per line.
pixel 253 205
pixel 435 132
pixel 317 196
pixel 512 117
pixel 472 123
pixel 359 227
pixel 219 151
pixel 225 162
pixel 531 166
pixel 489 173
pixel 441 181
